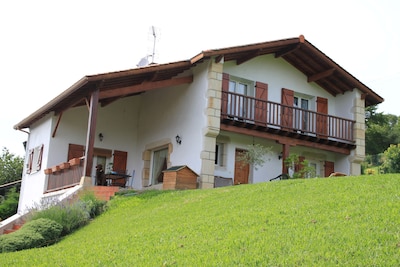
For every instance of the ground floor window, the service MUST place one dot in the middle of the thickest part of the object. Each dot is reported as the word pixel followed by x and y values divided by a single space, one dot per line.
pixel 159 163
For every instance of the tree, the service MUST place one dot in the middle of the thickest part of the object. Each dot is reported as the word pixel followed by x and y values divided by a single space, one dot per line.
pixel 10 167
pixel 382 130
pixel 9 204
pixel 391 162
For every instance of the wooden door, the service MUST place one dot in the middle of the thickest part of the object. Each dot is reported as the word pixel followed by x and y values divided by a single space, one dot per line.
pixel 329 168
pixel 287 110
pixel 119 163
pixel 75 151
pixel 242 169
pixel 322 121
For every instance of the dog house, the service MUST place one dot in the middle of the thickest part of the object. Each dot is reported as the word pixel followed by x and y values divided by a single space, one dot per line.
pixel 179 177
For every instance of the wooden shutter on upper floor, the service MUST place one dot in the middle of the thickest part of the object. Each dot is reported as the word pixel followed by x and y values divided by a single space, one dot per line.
pixel 322 121
pixel 120 159
pixel 287 110
pixel 224 100
pixel 261 104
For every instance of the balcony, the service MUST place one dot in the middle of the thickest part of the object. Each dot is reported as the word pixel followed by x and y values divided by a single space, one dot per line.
pixel 272 117
pixel 64 175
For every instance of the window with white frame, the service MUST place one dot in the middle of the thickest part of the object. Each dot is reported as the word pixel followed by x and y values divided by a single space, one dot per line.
pixel 301 117
pixel 159 163
pixel 34 160
pixel 239 105
pixel 219 154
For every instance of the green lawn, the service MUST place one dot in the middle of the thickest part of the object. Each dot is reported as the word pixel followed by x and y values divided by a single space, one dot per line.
pixel 346 221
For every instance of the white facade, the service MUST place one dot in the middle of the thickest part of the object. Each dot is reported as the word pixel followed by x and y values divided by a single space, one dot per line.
pixel 151 120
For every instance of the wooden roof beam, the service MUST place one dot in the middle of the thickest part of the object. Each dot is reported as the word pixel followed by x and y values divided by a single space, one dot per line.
pixel 289 50
pixel 145 86
pixel 320 75
pixel 247 57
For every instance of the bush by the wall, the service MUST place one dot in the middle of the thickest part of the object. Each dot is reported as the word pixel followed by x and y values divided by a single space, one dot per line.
pixel 92 205
pixel 71 217
pixel 33 234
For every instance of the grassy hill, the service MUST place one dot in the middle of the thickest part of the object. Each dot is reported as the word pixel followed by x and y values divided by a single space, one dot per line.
pixel 348 221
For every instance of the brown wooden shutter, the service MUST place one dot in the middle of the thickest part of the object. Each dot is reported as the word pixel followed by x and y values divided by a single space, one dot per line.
pixel 287 112
pixel 224 100
pixel 120 158
pixel 261 104
pixel 322 121
pixel 329 168
pixel 39 159
pixel 75 151
pixel 30 161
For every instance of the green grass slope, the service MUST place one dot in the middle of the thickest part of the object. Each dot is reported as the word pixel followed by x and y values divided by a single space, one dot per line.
pixel 347 221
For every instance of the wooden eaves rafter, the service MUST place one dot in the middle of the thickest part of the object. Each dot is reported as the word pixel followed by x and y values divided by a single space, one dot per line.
pixel 145 86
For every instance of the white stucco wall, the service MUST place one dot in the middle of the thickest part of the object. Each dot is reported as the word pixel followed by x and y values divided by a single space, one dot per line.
pixel 271 168
pixel 33 184
pixel 278 74
pixel 175 111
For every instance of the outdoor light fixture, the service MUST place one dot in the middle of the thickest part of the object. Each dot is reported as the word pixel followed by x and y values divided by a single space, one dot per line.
pixel 178 139
pixel 280 155
pixel 101 136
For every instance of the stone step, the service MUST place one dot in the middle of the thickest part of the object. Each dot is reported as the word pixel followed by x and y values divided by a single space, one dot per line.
pixel 104 192
pixel 16 226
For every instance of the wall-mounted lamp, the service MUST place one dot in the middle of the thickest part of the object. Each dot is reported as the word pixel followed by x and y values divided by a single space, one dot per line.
pixel 101 136
pixel 178 139
pixel 280 156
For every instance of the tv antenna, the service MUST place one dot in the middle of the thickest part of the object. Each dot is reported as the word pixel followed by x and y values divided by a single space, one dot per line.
pixel 154 33
pixel 154 43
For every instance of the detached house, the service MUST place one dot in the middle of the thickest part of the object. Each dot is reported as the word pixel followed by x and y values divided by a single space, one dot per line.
pixel 200 113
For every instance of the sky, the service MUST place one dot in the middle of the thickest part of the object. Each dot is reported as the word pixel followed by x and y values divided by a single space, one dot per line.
pixel 46 46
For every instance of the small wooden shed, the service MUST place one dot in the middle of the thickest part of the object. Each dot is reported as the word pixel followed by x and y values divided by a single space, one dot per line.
pixel 179 177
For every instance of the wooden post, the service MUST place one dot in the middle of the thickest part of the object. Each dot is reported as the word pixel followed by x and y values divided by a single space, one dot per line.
pixel 91 133
pixel 285 155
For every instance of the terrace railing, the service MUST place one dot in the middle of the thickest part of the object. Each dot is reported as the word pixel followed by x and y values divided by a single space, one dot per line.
pixel 241 108
pixel 64 175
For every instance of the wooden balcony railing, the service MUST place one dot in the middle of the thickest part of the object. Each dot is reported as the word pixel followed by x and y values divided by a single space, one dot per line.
pixel 238 107
pixel 64 175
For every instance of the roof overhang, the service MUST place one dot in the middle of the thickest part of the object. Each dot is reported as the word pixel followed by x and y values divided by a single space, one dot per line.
pixel 298 52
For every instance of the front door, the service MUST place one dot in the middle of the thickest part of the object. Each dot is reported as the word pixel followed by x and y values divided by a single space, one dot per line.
pixel 242 168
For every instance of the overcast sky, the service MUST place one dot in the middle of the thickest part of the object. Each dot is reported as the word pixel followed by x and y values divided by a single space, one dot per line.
pixel 46 46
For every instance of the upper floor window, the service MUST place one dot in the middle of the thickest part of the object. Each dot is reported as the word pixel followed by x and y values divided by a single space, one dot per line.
pixel 239 105
pixel 34 160
pixel 241 86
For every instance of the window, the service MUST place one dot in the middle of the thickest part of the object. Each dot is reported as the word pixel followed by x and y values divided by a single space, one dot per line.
pixel 219 152
pixel 159 163
pixel 301 117
pixel 239 105
pixel 35 160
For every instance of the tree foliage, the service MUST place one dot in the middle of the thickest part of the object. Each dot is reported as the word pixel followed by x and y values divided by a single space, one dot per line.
pixel 382 130
pixel 391 162
pixel 10 167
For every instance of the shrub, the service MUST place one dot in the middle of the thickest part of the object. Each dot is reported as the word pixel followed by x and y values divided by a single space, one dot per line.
pixel 73 216
pixel 33 234
pixel 391 163
pixel 70 217
pixel 92 205
pixel 49 229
